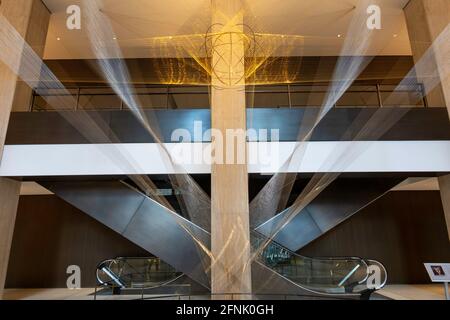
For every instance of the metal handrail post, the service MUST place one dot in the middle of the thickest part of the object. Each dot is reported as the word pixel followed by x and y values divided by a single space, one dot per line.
pixel 447 294
pixel 78 98
pixel 289 95
pixel 33 96
pixel 380 100
pixel 168 97
pixel 424 95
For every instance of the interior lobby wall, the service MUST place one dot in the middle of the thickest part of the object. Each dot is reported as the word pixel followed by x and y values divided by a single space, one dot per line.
pixel 50 235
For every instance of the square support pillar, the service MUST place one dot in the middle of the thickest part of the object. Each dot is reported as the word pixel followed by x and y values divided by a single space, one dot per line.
pixel 30 18
pixel 428 27
pixel 444 186
pixel 230 233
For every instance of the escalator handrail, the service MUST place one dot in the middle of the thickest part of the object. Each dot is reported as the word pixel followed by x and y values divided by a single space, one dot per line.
pixel 124 259
pixel 111 284
pixel 108 262
pixel 105 265
pixel 159 204
pixel 364 261
pixel 360 260
pixel 305 257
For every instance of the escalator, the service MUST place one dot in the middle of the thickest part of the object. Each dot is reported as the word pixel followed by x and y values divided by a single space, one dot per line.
pixel 338 202
pixel 297 275
pixel 140 275
pixel 143 221
pixel 347 276
pixel 182 247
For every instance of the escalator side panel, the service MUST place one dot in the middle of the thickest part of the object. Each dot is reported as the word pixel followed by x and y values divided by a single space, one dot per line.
pixel 267 282
pixel 109 202
pixel 143 221
pixel 335 204
pixel 171 238
pixel 296 233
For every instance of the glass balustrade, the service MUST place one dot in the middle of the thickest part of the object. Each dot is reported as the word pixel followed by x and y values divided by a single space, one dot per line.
pixel 347 275
pixel 136 272
pixel 334 276
pixel 197 97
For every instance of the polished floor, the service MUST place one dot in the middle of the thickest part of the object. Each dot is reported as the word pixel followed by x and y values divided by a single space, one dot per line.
pixel 414 292
pixel 394 292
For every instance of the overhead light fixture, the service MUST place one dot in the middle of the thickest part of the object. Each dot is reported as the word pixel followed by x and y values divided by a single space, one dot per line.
pixel 395 35
pixel 58 38
pixel 339 35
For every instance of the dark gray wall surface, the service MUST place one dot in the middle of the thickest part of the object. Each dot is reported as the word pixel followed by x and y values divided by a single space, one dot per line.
pixel 122 126
pixel 50 235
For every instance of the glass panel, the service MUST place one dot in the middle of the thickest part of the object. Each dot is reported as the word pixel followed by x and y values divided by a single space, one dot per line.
pixel 307 99
pixel 402 99
pixel 190 100
pixel 98 99
pixel 190 97
pixel 358 99
pixel 54 99
pixel 136 272
pixel 267 100
pixel 308 95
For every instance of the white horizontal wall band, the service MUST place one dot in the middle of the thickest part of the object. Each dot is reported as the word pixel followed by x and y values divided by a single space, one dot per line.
pixel 128 159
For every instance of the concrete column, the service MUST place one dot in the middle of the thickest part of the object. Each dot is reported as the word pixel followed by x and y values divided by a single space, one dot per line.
pixel 444 186
pixel 230 239
pixel 30 18
pixel 9 198
pixel 428 26
pixel 427 20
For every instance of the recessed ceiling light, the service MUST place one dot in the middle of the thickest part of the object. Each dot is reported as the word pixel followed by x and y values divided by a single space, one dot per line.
pixel 395 35
pixel 339 35
pixel 58 38
pixel 114 38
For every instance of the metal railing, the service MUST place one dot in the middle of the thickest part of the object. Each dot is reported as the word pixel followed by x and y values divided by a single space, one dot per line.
pixel 310 273
pixel 100 97
pixel 234 296
pixel 135 272
pixel 141 290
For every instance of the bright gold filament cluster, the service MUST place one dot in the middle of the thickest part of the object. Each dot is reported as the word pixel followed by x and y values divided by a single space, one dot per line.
pixel 188 59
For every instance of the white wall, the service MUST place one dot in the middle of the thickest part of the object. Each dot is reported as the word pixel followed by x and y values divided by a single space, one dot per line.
pixel 126 159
